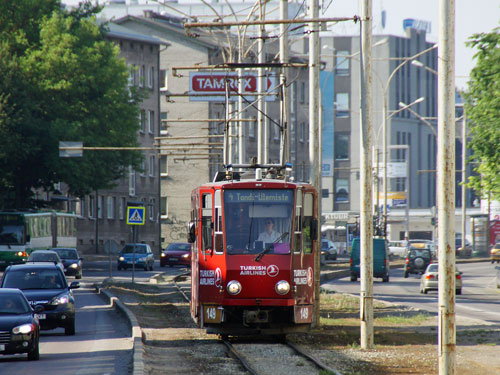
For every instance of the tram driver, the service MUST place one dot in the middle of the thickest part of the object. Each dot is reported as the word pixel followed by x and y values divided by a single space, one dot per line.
pixel 269 235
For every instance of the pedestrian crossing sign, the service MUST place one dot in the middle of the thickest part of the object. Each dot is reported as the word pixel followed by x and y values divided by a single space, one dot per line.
pixel 135 215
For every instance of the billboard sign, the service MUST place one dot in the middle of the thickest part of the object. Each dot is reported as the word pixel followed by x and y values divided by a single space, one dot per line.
pixel 209 86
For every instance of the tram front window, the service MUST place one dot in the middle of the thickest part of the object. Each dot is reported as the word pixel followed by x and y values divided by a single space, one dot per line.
pixel 258 219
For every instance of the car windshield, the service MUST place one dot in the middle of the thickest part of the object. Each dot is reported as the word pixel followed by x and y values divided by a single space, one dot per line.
pixel 67 253
pixel 129 249
pixel 34 279
pixel 433 268
pixel 13 304
pixel 256 220
pixel 178 247
pixel 324 245
pixel 420 253
pixel 43 257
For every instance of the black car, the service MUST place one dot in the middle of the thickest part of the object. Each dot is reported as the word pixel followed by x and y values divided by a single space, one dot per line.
pixel 19 325
pixel 417 260
pixel 71 260
pixel 45 284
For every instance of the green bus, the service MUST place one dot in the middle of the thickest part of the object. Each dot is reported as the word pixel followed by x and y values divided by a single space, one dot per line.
pixel 23 232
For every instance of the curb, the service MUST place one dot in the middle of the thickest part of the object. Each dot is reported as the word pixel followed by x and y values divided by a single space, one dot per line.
pixel 136 333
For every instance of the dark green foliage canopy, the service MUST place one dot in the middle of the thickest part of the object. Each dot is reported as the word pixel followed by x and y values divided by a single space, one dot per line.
pixel 483 111
pixel 61 80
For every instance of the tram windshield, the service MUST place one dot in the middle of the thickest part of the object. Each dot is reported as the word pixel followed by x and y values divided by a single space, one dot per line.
pixel 258 220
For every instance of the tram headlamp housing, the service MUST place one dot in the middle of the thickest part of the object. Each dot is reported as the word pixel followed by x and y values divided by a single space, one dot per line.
pixel 233 287
pixel 282 287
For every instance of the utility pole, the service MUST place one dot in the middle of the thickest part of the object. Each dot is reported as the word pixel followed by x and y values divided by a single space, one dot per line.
pixel 314 132
pixel 446 186
pixel 285 107
pixel 260 89
pixel 366 218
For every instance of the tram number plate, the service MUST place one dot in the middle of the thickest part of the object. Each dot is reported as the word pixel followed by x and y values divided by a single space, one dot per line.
pixel 212 314
pixel 303 314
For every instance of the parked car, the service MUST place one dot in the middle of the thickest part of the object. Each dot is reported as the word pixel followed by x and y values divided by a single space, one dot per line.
pixel 495 253
pixel 46 256
pixel 397 248
pixel 176 254
pixel 139 254
pixel 381 263
pixel 328 250
pixel 429 279
pixel 19 325
pixel 44 284
pixel 73 263
pixel 466 251
pixel 417 260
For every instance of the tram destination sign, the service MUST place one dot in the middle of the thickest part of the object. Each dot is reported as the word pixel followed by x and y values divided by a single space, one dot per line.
pixel 268 196
pixel 208 86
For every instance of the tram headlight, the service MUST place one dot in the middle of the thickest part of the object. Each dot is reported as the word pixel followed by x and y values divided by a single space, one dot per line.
pixel 233 287
pixel 282 287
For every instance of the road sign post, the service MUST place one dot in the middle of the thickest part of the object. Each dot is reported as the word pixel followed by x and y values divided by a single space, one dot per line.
pixel 135 217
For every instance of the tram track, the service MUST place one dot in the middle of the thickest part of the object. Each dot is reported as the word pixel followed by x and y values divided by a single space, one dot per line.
pixel 249 352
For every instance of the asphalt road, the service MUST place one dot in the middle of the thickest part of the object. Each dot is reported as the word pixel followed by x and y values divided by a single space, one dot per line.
pixel 101 345
pixel 479 300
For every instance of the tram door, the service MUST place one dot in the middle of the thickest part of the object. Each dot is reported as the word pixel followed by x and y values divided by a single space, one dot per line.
pixel 303 256
pixel 211 258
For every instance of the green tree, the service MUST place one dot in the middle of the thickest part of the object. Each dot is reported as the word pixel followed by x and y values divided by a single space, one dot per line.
pixel 60 79
pixel 483 110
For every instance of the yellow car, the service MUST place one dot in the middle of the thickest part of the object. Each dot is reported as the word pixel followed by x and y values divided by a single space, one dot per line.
pixel 495 253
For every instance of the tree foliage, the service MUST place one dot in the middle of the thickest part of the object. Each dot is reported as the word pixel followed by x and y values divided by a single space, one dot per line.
pixel 61 80
pixel 483 110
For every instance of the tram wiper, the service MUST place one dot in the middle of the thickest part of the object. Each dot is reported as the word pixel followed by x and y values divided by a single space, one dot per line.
pixel 266 249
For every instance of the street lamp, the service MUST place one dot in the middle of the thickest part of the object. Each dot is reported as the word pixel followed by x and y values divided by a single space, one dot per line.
pixel 420 65
pixel 385 118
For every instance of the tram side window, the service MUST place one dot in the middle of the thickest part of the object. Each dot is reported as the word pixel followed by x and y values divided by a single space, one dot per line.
pixel 219 244
pixel 206 221
pixel 308 222
pixel 297 241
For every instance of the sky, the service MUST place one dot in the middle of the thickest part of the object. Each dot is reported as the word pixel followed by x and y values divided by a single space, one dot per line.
pixel 471 17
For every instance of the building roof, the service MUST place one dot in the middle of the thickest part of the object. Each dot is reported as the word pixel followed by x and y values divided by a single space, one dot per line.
pixel 122 32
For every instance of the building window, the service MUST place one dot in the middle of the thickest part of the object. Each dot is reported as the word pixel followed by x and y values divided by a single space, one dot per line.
pixel 143 121
pixel 302 92
pixel 341 147
pixel 163 124
pixel 276 131
pixel 342 100
pixel 131 182
pixel 152 161
pixel 151 77
pixel 163 80
pixel 152 204
pixel 342 66
pixel 142 75
pixel 302 131
pixel 151 121
pixel 100 200
pixel 91 206
pixel 142 173
pixel 111 207
pixel 341 190
pixel 251 128
pixel 164 207
pixel 163 165
pixel 122 208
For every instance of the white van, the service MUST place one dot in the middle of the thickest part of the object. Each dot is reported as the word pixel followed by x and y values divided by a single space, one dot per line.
pixel 397 248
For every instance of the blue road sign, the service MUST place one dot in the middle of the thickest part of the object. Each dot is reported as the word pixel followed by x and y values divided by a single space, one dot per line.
pixel 135 215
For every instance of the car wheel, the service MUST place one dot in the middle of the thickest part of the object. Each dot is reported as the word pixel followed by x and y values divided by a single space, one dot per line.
pixel 151 267
pixel 459 291
pixel 354 277
pixel 79 276
pixel 119 268
pixel 34 354
pixel 406 274
pixel 385 279
pixel 425 291
pixel 69 330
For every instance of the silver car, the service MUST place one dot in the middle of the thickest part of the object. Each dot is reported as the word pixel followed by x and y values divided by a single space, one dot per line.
pixel 429 280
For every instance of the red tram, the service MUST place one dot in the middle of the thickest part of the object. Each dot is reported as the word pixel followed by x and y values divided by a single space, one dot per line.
pixel 253 255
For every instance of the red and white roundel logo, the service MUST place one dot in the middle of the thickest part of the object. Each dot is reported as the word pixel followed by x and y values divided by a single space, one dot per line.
pixel 272 270
pixel 310 276
pixel 218 277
